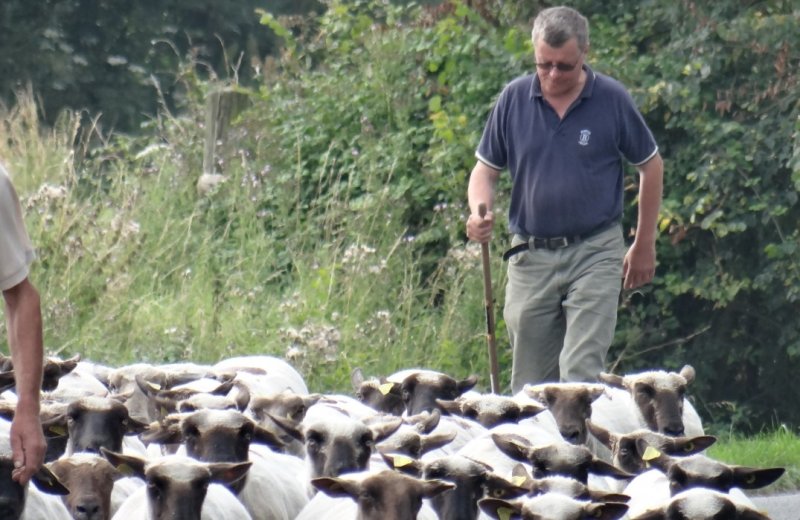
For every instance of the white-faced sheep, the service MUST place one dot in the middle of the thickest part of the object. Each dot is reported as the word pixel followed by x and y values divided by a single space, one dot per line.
pixel 387 495
pixel 180 488
pixel 701 504
pixel 653 399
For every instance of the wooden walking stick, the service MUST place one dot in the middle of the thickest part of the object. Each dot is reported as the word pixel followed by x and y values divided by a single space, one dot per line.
pixel 488 302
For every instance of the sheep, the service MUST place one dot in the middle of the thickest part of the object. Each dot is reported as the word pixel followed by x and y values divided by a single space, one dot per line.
pixel 53 369
pixel 552 506
pixel 36 500
pixel 569 403
pixel 563 485
pixel 94 422
pixel 123 381
pixel 378 394
pixel 335 442
pixel 264 375
pixel 91 480
pixel 624 449
pixel 671 475
pixel 180 488
pixel 473 480
pixel 653 399
pixel 490 409
pixel 226 436
pixel 560 458
pixel 387 495
pixel 419 389
pixel 701 504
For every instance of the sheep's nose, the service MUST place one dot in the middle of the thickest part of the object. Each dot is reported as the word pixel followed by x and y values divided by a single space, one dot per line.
pixel 572 436
pixel 88 510
pixel 674 431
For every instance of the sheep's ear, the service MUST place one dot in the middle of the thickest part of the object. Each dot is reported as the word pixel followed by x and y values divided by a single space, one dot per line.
pixel 467 384
pixel 7 380
pixel 337 487
pixel 601 467
pixel 689 445
pixel 521 478
pixel 605 437
pixel 500 509
pixel 242 397
pixel 530 409
pixel 754 478
pixel 135 427
pixel 262 435
pixel 688 373
pixel 606 511
pixel 47 482
pixel 228 472
pixel 652 456
pixel 288 426
pixel 605 496
pixel 611 380
pixel 451 407
pixel 515 446
pixel 128 465
pixel 403 463
pixel 55 426
pixel 356 378
pixel 431 488
pixel 383 429
pixel 437 440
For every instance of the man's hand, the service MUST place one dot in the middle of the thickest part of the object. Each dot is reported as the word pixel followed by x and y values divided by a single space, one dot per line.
pixel 639 265
pixel 28 445
pixel 479 228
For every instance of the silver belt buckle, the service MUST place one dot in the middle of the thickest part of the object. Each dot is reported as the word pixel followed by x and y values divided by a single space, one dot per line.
pixel 557 243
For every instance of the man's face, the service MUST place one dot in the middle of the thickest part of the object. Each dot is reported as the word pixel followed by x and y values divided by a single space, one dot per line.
pixel 559 68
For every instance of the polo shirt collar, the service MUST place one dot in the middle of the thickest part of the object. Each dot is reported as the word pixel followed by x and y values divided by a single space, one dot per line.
pixel 588 87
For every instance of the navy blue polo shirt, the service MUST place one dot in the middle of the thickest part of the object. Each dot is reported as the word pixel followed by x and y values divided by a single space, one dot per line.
pixel 566 174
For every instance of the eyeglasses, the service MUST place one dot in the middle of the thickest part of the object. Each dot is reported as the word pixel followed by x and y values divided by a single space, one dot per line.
pixel 547 66
pixel 563 67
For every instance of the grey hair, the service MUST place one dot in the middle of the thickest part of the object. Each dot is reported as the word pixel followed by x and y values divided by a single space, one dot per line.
pixel 557 25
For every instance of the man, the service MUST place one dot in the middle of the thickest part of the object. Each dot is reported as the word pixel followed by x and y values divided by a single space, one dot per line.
pixel 24 324
pixel 563 134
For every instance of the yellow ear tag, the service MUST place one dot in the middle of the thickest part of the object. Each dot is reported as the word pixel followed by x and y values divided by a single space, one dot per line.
pixel 164 411
pixel 58 430
pixel 504 513
pixel 125 470
pixel 154 386
pixel 518 480
pixel 650 453
pixel 401 461
pixel 385 388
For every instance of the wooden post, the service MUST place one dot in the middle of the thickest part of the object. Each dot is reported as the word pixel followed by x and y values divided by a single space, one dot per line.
pixel 222 106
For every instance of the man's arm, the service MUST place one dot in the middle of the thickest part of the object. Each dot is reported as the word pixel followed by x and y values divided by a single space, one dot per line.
pixel 24 323
pixel 482 181
pixel 639 265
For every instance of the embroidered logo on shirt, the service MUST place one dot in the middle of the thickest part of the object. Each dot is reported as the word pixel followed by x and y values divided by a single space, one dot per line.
pixel 583 140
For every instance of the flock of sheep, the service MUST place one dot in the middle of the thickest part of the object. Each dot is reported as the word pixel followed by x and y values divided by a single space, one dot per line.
pixel 244 439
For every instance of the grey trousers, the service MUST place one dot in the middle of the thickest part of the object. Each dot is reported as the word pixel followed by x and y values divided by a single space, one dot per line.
pixel 561 309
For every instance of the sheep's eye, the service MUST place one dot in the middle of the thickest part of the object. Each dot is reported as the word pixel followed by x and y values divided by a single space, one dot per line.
pixel 366 440
pixel 406 396
pixel 646 391
pixel 688 447
pixel 186 407
pixel 497 493
pixel 191 431
pixel 471 413
pixel 360 395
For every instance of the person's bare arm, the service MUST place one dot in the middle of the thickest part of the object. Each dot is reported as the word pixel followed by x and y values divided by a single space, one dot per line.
pixel 482 181
pixel 24 324
pixel 639 265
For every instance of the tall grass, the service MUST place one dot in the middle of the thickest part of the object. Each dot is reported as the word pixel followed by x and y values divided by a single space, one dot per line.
pixel 135 265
